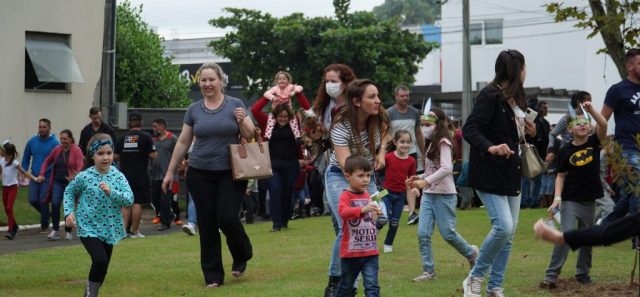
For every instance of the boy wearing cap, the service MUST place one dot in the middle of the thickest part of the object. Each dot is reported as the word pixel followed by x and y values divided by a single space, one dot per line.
pixel 133 151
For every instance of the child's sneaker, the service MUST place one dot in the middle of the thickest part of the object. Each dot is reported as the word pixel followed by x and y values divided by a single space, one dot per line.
pixel 413 218
pixel 68 236
pixel 137 235
pixel 54 235
pixel 472 286
pixel 472 259
pixel 425 276
pixel 388 248
pixel 496 292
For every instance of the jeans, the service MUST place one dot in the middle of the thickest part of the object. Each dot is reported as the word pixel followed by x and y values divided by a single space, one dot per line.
pixel 335 183
pixel 57 194
pixel 531 195
pixel 494 253
pixel 439 209
pixel 280 185
pixel 394 203
pixel 37 198
pixel 351 267
pixel 628 202
pixel 191 210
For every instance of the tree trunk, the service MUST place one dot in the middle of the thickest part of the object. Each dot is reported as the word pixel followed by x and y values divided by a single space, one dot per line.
pixel 611 35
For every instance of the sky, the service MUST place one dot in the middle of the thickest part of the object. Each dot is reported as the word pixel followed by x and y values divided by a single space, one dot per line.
pixel 184 19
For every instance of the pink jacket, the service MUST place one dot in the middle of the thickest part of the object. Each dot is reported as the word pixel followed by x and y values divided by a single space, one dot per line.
pixel 282 94
pixel 75 163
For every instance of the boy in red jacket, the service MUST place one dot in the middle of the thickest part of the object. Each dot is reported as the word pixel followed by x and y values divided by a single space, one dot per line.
pixel 359 248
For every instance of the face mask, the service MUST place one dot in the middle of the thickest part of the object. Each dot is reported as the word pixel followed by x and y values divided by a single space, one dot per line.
pixel 333 89
pixel 427 132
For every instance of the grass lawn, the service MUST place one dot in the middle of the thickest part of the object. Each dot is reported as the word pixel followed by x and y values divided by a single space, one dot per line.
pixel 293 262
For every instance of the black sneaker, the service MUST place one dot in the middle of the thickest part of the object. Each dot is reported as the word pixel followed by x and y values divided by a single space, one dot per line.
pixel 163 227
pixel 584 279
pixel 413 219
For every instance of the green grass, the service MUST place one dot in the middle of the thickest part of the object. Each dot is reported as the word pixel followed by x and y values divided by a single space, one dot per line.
pixel 293 262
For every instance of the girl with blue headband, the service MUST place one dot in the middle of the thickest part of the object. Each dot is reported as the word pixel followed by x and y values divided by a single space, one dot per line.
pixel 101 192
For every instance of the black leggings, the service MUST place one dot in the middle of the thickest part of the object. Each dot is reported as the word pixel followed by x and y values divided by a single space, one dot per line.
pixel 100 253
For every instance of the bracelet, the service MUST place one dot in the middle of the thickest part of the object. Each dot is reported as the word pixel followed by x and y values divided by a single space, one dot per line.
pixel 557 198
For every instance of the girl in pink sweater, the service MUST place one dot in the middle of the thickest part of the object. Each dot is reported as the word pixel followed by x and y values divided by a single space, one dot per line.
pixel 439 200
pixel 281 93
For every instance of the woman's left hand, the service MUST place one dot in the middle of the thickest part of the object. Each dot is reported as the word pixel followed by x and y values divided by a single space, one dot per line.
pixel 379 162
pixel 240 114
pixel 530 129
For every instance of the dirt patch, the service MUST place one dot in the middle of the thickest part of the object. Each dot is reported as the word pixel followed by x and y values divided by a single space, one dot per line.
pixel 572 288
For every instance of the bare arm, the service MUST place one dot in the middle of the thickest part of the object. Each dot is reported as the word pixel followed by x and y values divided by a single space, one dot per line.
pixel 558 190
pixel 182 145
pixel 342 153
pixel 606 112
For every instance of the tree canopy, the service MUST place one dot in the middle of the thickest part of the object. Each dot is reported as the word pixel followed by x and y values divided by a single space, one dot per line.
pixel 612 19
pixel 144 77
pixel 260 45
pixel 411 12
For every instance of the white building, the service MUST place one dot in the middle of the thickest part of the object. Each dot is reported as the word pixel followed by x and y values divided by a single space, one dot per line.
pixel 52 53
pixel 558 55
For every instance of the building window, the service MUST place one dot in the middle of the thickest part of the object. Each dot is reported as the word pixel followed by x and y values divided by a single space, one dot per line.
pixel 485 32
pixel 493 31
pixel 49 62
pixel 475 33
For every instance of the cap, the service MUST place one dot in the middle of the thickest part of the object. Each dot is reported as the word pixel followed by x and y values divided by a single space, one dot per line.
pixel 135 116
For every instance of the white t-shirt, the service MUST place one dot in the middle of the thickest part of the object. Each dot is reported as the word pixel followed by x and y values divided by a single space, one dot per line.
pixel 9 173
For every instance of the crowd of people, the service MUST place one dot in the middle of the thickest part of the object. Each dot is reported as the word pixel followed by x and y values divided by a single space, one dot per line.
pixel 347 157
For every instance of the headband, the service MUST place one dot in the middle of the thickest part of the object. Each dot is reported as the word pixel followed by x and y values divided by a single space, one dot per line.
pixel 96 145
pixel 575 121
pixel 427 114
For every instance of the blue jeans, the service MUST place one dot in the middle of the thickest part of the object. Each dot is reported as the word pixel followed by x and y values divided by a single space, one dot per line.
pixel 57 194
pixel 628 202
pixel 494 254
pixel 439 209
pixel 394 203
pixel 335 183
pixel 191 210
pixel 531 195
pixel 280 186
pixel 351 267
pixel 37 196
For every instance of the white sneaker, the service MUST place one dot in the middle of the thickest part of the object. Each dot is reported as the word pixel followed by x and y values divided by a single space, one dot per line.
pixel 54 235
pixel 472 286
pixel 189 229
pixel 496 292
pixel 388 248
pixel 137 235
pixel 425 276
pixel 68 236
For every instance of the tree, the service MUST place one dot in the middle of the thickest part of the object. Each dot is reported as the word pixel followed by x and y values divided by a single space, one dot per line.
pixel 411 12
pixel 144 78
pixel 261 45
pixel 612 19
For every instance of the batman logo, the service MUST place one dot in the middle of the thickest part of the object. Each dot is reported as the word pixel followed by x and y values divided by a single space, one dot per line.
pixel 582 157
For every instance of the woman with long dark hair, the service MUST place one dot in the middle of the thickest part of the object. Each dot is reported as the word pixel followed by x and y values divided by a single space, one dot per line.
pixel 358 128
pixel 494 129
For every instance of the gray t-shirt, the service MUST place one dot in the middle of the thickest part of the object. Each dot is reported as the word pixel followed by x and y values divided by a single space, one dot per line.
pixel 409 120
pixel 214 130
pixel 164 148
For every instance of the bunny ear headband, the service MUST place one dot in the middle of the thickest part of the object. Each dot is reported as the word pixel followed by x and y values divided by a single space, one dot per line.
pixel 575 121
pixel 427 114
pixel 8 140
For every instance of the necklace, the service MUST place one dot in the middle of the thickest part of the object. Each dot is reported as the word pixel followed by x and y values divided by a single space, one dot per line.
pixel 212 111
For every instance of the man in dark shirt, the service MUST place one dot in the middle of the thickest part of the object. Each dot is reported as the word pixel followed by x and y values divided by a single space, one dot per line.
pixel 96 126
pixel 133 151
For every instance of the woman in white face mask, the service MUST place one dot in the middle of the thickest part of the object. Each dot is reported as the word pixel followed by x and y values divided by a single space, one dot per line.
pixel 331 92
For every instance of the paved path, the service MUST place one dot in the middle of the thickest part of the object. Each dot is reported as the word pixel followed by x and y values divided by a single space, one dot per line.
pixel 31 239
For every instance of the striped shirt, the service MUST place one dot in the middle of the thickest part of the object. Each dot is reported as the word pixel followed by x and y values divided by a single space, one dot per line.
pixel 342 135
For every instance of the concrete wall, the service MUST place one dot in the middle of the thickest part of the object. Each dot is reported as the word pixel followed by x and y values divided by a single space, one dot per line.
pixel 20 109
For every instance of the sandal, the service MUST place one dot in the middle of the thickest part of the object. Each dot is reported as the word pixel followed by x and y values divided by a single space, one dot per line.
pixel 238 269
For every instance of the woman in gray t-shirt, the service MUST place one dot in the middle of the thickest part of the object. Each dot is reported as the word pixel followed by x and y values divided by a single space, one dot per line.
pixel 215 122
